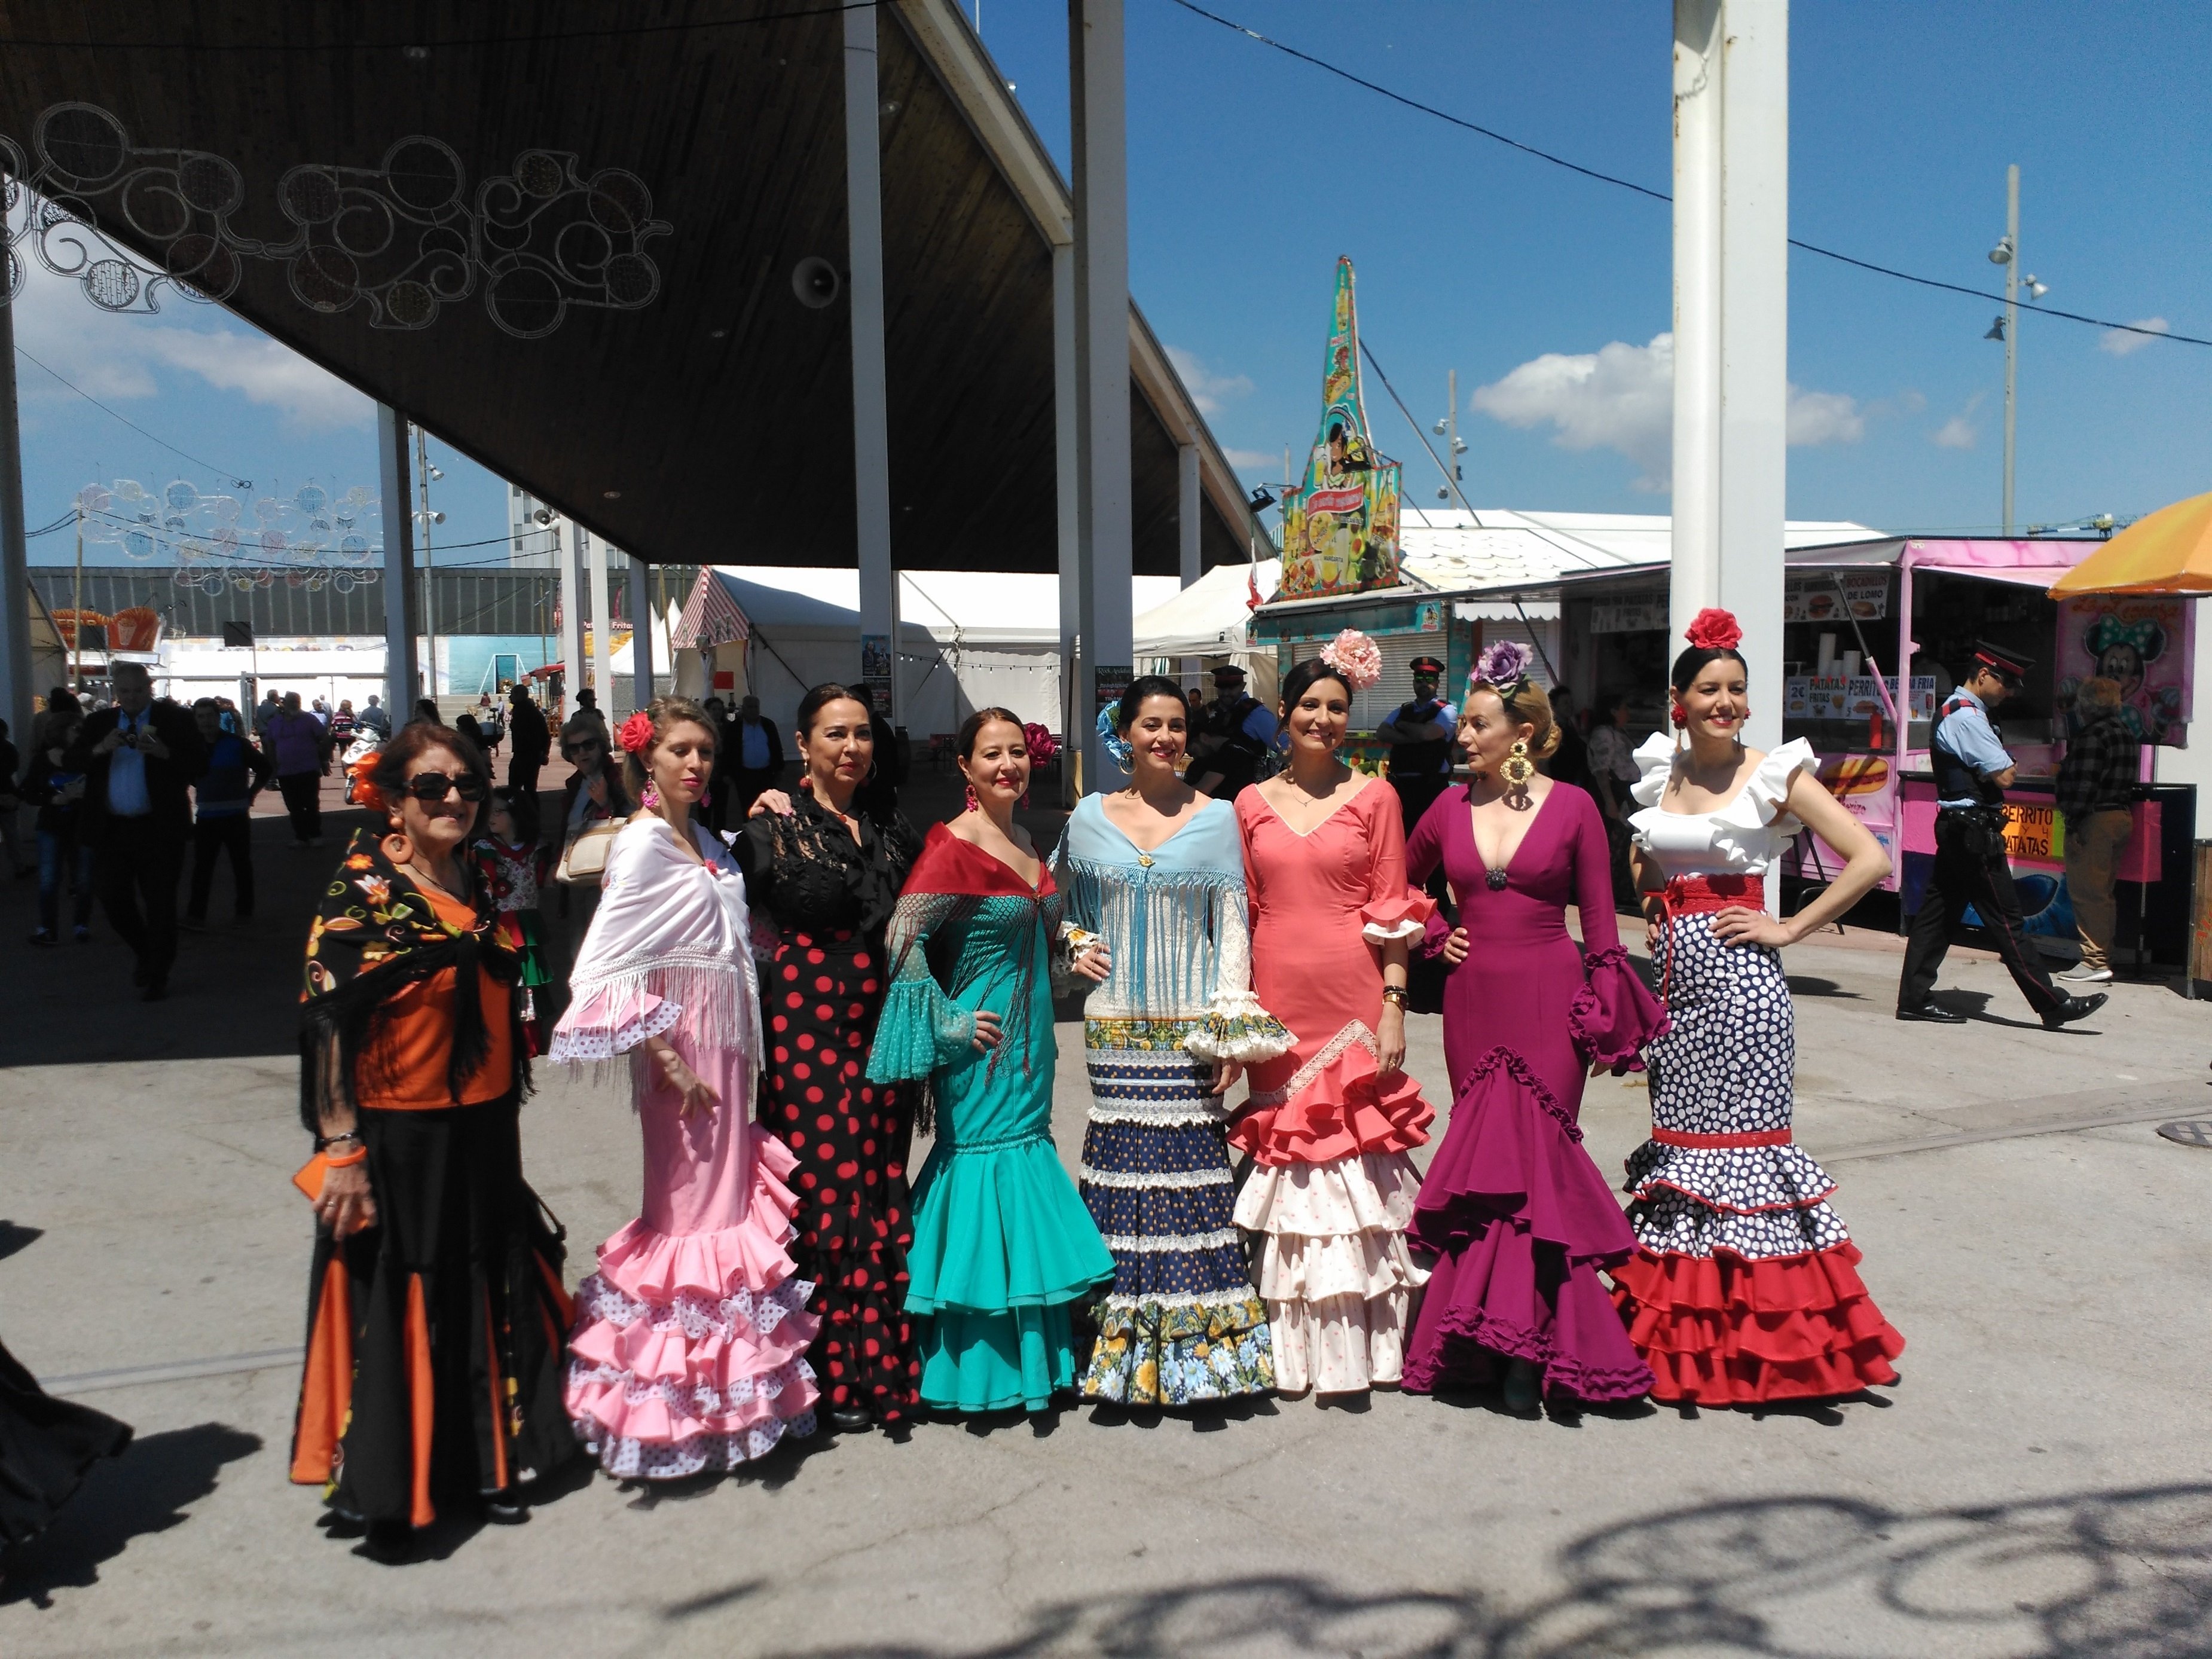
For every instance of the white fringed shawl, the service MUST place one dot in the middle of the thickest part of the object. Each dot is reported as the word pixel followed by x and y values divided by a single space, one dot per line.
pixel 669 948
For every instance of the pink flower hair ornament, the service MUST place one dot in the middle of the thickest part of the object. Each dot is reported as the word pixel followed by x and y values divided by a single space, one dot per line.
pixel 636 735
pixel 1356 657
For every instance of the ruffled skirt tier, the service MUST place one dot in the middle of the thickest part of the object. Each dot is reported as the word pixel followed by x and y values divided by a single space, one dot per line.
pixel 1002 1248
pixel 689 1352
pixel 1182 1323
pixel 1330 1106
pixel 47 1447
pixel 1521 1223
pixel 1334 1272
pixel 1745 1285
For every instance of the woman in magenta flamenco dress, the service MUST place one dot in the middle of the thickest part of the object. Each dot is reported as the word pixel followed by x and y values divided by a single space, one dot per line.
pixel 1519 1219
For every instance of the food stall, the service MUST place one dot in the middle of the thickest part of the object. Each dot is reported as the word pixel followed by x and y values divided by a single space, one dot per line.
pixel 1874 634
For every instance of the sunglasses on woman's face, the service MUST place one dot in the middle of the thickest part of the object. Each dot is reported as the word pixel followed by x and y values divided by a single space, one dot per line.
pixel 436 785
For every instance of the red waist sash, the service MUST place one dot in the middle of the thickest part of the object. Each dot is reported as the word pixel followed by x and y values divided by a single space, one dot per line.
pixel 1694 895
pixel 1751 1138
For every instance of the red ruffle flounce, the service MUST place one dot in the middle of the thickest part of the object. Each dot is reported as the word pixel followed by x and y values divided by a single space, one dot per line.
pixel 1721 1330
pixel 1345 1112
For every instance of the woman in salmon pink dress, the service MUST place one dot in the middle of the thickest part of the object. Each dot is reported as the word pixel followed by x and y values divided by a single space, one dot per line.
pixel 1329 1123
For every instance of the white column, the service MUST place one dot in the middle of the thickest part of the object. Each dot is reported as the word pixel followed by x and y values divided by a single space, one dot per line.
pixel 1068 457
pixel 571 550
pixel 1732 327
pixel 603 632
pixel 402 686
pixel 15 688
pixel 641 621
pixel 871 462
pixel 1187 522
pixel 1099 127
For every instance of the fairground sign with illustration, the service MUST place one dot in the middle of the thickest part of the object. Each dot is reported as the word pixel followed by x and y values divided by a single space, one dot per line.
pixel 1340 525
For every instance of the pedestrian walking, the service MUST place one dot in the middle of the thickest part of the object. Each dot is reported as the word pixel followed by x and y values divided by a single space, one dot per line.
pixel 1614 772
pixel 222 802
pixel 342 726
pixel 1744 1285
pixel 299 751
pixel 1330 1123
pixel 376 718
pixel 1004 1250
pixel 531 740
pixel 140 759
pixel 517 865
pixel 432 1380
pixel 2097 784
pixel 755 753
pixel 11 804
pixel 1972 772
pixel 56 791
pixel 689 1346
pixel 1156 873
pixel 1512 1205
pixel 825 874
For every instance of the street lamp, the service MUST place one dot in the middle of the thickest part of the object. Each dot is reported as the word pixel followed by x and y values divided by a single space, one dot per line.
pixel 2007 327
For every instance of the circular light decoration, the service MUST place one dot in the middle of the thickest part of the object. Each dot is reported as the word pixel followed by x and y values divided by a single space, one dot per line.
pixel 213 541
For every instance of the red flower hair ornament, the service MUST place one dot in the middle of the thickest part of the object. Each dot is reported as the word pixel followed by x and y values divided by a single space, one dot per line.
pixel 1714 629
pixel 636 734
pixel 361 784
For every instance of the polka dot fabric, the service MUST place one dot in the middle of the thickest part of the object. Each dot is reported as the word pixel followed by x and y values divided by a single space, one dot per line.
pixel 822 993
pixel 1744 1287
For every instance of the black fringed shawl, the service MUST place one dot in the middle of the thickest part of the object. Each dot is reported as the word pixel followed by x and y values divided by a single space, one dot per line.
pixel 374 934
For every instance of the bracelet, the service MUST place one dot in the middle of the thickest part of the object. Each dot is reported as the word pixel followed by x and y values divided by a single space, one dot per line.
pixel 347 1160
pixel 1396 995
pixel 324 1143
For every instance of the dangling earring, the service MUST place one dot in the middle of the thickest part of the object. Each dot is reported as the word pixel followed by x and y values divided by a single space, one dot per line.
pixel 974 805
pixel 397 846
pixel 1516 768
pixel 650 798
pixel 1680 717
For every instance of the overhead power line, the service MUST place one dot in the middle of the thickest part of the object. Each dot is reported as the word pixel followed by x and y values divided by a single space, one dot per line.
pixel 207 465
pixel 1619 183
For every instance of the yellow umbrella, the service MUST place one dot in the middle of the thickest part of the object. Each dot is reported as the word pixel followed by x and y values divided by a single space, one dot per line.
pixel 2168 552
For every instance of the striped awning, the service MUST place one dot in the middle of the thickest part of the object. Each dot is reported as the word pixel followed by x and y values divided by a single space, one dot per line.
pixel 710 616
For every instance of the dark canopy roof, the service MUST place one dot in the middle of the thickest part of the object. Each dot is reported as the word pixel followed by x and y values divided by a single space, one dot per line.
pixel 706 414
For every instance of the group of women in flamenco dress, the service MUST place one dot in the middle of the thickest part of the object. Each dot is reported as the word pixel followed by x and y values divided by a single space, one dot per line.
pixel 789 1006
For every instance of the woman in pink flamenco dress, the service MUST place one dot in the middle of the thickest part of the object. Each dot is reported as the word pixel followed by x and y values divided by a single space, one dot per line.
pixel 1516 1212
pixel 1329 1124
pixel 689 1352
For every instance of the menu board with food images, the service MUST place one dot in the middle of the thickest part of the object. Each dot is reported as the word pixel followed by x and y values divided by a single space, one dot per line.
pixel 1340 525
pixel 1835 596
pixel 1853 697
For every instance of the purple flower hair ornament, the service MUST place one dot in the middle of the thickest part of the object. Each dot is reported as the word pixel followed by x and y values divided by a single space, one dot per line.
pixel 1502 666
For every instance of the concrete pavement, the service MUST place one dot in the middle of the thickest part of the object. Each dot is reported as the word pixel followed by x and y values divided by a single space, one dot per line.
pixel 2037 1484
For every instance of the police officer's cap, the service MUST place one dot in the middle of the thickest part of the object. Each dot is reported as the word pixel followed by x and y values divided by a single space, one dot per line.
pixel 2007 664
pixel 1428 667
pixel 1229 674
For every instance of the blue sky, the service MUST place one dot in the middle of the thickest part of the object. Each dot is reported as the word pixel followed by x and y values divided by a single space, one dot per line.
pixel 1250 173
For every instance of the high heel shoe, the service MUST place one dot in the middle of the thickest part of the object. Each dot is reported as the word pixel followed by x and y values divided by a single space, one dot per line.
pixel 1523 1389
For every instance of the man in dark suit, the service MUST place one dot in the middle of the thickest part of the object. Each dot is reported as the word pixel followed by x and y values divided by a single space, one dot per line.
pixel 532 742
pixel 140 760
pixel 755 758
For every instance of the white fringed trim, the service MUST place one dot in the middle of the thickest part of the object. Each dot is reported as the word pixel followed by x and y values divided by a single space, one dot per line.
pixel 719 998
pixel 1375 934
pixel 1219 1177
pixel 1354 1033
pixel 1154 1117
pixel 1164 1243
pixel 1231 1298
pixel 581 1046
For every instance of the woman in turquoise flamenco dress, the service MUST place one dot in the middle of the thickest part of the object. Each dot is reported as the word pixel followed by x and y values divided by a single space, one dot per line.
pixel 1003 1245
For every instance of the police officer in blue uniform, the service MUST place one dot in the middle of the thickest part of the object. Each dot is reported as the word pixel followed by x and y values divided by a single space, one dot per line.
pixel 1420 734
pixel 1972 771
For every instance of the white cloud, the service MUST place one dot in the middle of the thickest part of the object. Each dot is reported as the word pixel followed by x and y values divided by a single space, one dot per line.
pixel 2120 343
pixel 1252 460
pixel 119 357
pixel 1957 433
pixel 1622 397
pixel 1207 390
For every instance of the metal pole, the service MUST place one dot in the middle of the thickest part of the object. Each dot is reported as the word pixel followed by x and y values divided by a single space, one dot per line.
pixel 76 607
pixel 2012 325
pixel 641 634
pixel 15 688
pixel 1451 421
pixel 603 632
pixel 430 566
pixel 1099 129
pixel 1068 470
pixel 871 481
pixel 571 548
pixel 399 677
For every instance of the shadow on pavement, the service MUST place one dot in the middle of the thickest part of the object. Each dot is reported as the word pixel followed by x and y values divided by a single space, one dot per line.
pixel 147 1489
pixel 2101 1575
pixel 14 1239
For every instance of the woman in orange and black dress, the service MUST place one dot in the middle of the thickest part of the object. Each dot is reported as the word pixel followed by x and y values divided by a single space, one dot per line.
pixel 825 872
pixel 435 1315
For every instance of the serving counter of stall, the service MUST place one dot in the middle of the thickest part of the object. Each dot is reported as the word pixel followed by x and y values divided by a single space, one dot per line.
pixel 1874 635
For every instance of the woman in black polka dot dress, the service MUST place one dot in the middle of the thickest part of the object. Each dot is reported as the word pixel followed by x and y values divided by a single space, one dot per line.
pixel 1745 1285
pixel 826 876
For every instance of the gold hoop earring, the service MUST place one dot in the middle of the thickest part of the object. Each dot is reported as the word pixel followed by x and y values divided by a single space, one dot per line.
pixel 1516 768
